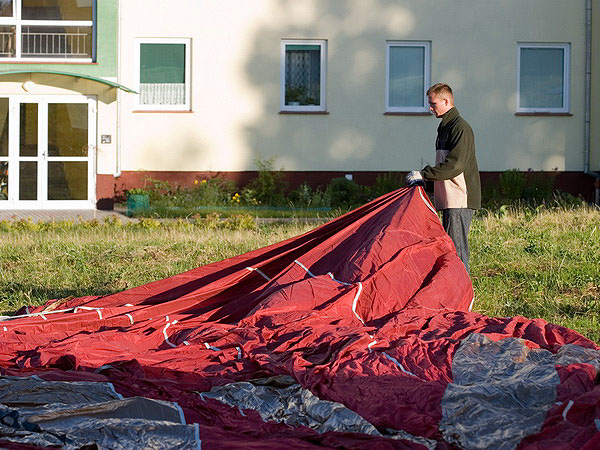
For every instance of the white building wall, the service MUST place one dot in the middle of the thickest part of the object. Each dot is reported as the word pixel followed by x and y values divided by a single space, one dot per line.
pixel 236 84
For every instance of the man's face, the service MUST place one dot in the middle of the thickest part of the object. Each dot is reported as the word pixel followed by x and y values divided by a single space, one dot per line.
pixel 438 105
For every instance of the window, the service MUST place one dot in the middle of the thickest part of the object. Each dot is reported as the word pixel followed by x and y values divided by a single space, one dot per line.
pixel 303 75
pixel 407 76
pixel 164 74
pixel 48 30
pixel 543 78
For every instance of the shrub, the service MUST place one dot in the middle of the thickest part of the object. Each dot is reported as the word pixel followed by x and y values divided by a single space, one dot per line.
pixel 539 186
pixel 386 182
pixel 305 197
pixel 158 189
pixel 512 184
pixel 345 193
pixel 248 197
pixel 268 186
pixel 214 192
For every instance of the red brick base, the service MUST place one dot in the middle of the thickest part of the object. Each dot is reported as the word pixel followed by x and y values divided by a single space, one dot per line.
pixel 110 189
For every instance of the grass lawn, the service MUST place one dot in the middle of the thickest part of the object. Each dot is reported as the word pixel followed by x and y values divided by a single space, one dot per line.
pixel 535 264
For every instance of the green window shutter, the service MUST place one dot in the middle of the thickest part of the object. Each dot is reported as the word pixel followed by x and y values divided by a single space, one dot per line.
pixel 297 48
pixel 162 63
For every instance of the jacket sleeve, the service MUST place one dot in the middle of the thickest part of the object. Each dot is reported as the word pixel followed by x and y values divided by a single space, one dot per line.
pixel 461 143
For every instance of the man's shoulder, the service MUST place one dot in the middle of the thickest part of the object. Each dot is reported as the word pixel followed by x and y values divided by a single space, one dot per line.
pixel 459 122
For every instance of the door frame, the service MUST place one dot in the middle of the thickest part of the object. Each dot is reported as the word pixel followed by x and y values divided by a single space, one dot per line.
pixel 42 156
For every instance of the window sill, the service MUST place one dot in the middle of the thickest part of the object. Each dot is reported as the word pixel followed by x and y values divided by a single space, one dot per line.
pixel 162 111
pixel 406 113
pixel 558 114
pixel 35 61
pixel 322 113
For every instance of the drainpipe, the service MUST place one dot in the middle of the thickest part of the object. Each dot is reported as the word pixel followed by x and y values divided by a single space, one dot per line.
pixel 588 100
pixel 118 140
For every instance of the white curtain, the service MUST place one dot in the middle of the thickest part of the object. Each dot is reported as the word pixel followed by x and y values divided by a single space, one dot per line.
pixel 162 93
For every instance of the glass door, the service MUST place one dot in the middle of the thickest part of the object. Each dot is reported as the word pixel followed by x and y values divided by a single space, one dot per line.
pixel 4 134
pixel 50 147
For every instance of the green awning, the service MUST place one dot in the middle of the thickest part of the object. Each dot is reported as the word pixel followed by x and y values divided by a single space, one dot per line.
pixel 77 75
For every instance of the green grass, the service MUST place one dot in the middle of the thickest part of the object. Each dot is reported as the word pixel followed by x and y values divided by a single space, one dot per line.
pixel 542 264
pixel 228 211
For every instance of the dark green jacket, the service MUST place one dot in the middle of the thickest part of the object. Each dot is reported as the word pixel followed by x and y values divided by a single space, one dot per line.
pixel 455 174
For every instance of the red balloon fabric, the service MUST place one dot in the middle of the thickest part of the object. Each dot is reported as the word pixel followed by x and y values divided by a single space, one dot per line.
pixel 370 310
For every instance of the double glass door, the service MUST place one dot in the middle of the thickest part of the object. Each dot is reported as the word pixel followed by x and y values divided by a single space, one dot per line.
pixel 46 152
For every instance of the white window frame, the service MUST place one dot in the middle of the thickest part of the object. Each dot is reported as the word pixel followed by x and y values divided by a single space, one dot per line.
pixel 18 23
pixel 566 47
pixel 426 76
pixel 186 106
pixel 322 43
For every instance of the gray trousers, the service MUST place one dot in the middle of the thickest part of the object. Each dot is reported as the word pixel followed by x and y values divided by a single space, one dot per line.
pixel 456 222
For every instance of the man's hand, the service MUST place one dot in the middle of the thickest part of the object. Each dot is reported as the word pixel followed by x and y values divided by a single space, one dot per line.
pixel 414 178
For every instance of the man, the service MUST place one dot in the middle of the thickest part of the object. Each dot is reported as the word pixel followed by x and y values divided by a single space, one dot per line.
pixel 456 188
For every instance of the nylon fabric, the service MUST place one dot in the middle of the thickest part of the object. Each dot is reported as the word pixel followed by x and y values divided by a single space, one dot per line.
pixel 368 311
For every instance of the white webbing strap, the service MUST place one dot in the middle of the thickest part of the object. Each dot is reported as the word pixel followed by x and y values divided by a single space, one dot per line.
pixel 210 347
pixel 305 269
pixel 371 345
pixel 400 366
pixel 566 410
pixel 355 302
pixel 89 308
pixel 260 272
pixel 427 202
pixel 165 333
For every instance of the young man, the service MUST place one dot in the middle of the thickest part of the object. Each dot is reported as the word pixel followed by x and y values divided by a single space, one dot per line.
pixel 456 188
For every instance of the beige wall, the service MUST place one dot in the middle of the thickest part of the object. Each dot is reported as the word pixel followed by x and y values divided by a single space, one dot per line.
pixel 235 84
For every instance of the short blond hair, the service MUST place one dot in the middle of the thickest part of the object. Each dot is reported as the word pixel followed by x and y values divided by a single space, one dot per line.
pixel 440 90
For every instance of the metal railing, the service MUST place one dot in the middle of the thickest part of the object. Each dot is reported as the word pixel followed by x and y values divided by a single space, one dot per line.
pixel 7 43
pixel 47 44
pixel 56 44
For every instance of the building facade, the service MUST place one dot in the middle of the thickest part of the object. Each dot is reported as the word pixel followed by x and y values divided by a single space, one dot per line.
pixel 327 87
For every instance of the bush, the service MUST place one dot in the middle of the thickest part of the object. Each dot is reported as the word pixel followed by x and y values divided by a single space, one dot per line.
pixel 213 192
pixel 268 187
pixel 305 197
pixel 512 184
pixel 386 182
pixel 345 193
pixel 539 186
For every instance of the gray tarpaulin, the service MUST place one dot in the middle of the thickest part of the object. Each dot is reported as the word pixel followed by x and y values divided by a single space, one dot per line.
pixel 501 391
pixel 33 391
pixel 281 399
pixel 75 414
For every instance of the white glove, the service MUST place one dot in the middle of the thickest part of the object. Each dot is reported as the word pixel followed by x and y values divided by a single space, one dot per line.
pixel 414 178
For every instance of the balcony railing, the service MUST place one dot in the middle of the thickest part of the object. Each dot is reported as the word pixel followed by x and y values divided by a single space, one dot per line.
pixel 7 42
pixel 47 42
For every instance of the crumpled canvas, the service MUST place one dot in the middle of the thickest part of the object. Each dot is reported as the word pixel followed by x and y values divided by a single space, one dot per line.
pixel 369 311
